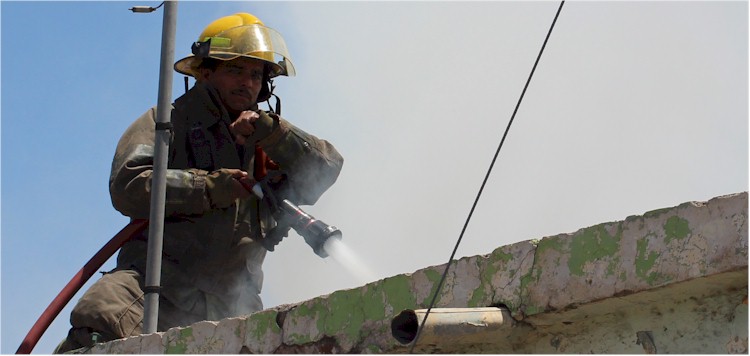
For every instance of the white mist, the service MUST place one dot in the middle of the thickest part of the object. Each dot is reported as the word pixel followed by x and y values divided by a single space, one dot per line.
pixel 342 254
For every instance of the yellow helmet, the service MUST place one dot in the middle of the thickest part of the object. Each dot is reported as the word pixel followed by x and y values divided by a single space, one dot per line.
pixel 239 35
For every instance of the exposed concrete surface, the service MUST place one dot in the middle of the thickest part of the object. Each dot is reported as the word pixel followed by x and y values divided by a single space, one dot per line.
pixel 673 280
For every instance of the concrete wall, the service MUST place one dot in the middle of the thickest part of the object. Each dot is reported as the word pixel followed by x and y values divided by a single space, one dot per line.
pixel 673 280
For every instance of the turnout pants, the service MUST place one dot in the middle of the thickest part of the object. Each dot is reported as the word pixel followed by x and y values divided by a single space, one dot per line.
pixel 112 308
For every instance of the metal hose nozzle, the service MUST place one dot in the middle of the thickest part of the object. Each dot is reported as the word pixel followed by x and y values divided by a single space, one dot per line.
pixel 315 232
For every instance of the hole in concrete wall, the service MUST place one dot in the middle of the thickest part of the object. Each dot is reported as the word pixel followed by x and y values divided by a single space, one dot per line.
pixel 326 345
pixel 280 316
pixel 623 293
pixel 646 340
pixel 404 326
pixel 499 305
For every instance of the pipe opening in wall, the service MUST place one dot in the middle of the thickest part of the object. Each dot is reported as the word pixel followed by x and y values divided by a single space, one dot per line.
pixel 404 326
pixel 450 325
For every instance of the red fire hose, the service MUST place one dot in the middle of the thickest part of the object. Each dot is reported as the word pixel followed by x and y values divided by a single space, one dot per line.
pixel 75 284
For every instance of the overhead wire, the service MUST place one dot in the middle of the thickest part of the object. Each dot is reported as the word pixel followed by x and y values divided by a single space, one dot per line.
pixel 484 182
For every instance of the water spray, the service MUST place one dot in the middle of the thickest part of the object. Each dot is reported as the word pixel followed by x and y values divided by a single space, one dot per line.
pixel 324 239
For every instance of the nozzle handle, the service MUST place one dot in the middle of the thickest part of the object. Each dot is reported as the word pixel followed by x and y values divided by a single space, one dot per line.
pixel 315 232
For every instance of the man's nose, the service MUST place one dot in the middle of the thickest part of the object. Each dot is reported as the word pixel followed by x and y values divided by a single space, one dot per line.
pixel 246 81
pixel 245 78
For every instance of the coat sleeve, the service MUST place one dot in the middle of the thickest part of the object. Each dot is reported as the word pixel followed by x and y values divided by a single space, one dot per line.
pixel 311 164
pixel 132 170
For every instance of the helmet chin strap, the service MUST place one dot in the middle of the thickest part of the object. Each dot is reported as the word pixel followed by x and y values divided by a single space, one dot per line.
pixel 271 87
pixel 278 104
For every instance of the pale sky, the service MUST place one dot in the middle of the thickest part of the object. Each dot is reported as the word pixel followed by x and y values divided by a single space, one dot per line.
pixel 634 106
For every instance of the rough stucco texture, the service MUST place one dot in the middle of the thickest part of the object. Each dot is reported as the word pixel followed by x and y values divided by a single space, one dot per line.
pixel 536 280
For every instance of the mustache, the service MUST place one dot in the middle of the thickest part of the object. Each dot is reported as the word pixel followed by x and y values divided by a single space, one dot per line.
pixel 243 92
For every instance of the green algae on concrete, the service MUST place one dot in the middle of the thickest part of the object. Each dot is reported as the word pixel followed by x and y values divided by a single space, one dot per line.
pixel 346 314
pixel 350 309
pixel 258 325
pixel 553 243
pixel 526 280
pixel 373 304
pixel 494 263
pixel 644 262
pixel 179 345
pixel 434 277
pixel 398 292
pixel 523 294
pixel 592 244
pixel 655 213
pixel 311 310
pixel 676 228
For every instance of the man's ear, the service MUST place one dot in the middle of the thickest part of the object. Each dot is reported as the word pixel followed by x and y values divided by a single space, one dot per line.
pixel 203 73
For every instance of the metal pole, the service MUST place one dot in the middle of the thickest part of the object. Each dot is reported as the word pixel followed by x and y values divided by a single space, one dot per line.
pixel 159 175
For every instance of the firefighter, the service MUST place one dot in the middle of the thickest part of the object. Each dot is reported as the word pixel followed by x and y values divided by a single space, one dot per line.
pixel 212 255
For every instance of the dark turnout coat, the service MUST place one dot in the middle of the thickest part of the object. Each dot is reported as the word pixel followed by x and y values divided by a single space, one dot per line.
pixel 211 267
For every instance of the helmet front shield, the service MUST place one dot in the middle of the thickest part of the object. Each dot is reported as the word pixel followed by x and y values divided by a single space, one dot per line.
pixel 255 41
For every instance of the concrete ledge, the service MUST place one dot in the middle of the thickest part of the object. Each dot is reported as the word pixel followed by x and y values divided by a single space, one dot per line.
pixel 673 280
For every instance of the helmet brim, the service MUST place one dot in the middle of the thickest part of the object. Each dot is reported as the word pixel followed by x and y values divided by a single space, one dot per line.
pixel 189 65
pixel 251 41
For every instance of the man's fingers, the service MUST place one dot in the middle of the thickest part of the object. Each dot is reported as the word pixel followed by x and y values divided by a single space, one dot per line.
pixel 243 127
pixel 237 173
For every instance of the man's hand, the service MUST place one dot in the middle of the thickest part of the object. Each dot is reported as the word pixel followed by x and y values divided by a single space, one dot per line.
pixel 244 126
pixel 226 185
pixel 242 183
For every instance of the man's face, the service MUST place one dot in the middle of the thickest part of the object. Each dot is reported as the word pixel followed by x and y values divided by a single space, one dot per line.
pixel 238 82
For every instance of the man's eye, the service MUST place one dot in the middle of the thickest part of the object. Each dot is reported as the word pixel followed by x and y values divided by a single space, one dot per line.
pixel 254 75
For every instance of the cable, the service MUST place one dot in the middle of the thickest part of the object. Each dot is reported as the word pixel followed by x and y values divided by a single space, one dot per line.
pixel 486 177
